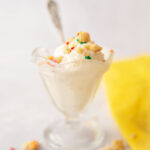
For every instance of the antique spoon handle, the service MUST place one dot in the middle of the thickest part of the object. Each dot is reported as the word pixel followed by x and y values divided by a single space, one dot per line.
pixel 54 13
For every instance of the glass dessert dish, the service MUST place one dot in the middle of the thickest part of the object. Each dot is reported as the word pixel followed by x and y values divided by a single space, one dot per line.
pixel 72 87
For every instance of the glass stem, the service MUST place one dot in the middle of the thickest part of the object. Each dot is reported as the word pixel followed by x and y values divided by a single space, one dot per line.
pixel 73 121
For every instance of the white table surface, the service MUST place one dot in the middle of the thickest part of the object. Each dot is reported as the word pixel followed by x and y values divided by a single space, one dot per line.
pixel 25 108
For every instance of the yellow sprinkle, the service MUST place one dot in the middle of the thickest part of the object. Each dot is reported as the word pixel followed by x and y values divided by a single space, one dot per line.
pixel 50 57
pixel 79 50
pixel 58 59
pixel 79 33
pixel 74 45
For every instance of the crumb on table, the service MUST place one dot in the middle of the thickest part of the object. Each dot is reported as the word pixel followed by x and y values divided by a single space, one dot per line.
pixel 108 148
pixel 116 145
pixel 33 145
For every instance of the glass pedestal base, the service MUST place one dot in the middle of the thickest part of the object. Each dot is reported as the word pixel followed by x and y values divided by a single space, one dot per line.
pixel 74 136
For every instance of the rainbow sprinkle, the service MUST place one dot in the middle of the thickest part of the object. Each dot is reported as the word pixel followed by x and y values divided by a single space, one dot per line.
pixel 88 57
pixel 54 60
pixel 67 43
pixel 83 42
pixel 50 57
pixel 72 48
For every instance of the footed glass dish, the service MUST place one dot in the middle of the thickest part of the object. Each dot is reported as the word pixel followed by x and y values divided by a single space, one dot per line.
pixel 72 87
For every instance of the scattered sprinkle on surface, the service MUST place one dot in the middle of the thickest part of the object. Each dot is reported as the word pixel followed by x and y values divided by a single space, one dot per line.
pixel 112 51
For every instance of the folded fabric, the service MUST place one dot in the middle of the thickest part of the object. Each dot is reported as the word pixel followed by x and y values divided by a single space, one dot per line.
pixel 128 89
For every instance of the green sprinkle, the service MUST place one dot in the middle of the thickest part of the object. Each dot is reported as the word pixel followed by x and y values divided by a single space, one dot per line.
pixel 82 42
pixel 77 40
pixel 88 57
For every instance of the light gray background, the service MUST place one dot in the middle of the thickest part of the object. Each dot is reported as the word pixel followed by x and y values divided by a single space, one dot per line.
pixel 25 109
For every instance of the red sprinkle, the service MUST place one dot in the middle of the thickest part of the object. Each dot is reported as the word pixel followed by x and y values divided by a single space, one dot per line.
pixel 78 34
pixel 72 48
pixel 67 43
pixel 12 148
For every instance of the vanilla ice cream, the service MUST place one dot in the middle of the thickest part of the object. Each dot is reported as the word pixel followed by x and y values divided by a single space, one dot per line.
pixel 73 73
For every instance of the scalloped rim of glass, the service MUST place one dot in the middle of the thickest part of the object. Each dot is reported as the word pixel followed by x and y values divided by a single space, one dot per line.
pixel 36 56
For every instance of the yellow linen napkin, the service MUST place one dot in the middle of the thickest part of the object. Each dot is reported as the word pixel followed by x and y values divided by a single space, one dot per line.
pixel 128 89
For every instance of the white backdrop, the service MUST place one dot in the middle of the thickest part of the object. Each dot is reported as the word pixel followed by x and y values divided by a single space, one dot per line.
pixel 25 109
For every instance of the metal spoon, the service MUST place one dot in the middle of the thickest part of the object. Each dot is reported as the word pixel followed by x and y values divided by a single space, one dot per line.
pixel 54 13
